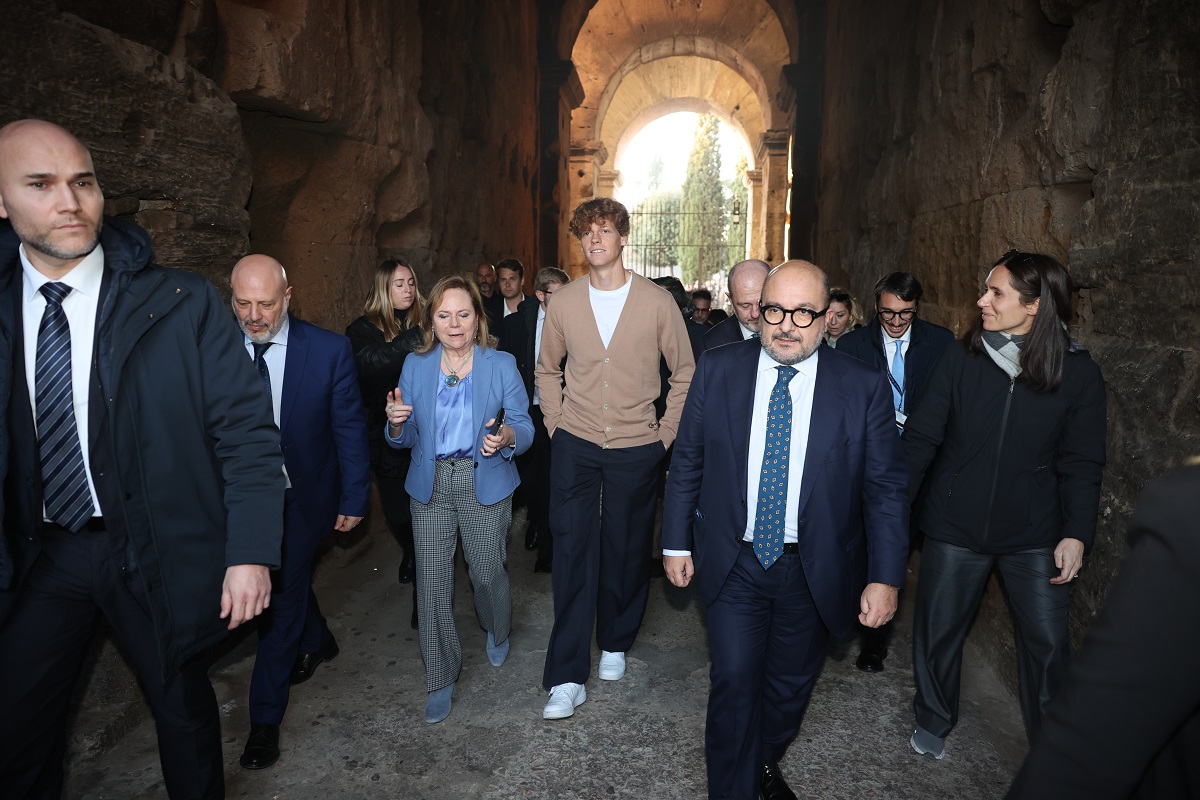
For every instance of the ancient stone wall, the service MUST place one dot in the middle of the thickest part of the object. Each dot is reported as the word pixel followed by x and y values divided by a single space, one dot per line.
pixel 954 131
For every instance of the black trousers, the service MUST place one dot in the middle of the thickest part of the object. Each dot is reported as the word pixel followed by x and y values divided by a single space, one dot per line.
pixel 949 590
pixel 78 579
pixel 767 642
pixel 534 466
pixel 395 503
pixel 600 570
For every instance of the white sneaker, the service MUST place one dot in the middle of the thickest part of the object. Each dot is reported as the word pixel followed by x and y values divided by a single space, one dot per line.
pixel 564 699
pixel 612 666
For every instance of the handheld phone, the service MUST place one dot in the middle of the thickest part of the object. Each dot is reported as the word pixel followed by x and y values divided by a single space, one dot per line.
pixel 499 421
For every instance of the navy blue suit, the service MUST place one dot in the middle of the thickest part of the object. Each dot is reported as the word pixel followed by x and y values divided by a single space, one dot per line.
pixel 852 522
pixel 727 331
pixel 925 347
pixel 323 434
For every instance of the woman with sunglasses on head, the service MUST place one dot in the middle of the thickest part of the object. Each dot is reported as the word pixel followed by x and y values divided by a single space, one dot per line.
pixel 1009 442
pixel 842 316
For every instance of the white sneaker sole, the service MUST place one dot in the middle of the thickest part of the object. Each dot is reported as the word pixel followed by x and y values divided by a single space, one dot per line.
pixel 559 712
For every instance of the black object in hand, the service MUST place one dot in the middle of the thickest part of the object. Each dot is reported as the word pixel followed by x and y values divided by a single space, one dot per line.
pixel 498 423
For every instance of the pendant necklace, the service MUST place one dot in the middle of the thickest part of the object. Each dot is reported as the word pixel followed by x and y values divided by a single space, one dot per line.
pixel 452 379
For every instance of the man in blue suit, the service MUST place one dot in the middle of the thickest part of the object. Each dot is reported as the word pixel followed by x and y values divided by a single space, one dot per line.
pixel 310 376
pixel 787 501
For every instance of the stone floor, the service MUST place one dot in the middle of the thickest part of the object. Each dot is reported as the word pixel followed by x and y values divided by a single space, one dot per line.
pixel 356 729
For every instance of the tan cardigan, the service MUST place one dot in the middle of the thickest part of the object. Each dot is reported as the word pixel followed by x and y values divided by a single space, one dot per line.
pixel 609 395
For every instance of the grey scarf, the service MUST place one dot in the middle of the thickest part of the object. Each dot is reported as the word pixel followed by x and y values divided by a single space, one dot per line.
pixel 1005 350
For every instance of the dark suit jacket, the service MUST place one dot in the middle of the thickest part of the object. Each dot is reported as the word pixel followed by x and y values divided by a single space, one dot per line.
pixel 853 508
pixel 518 336
pixel 1127 720
pixel 928 342
pixel 195 481
pixel 727 331
pixel 323 427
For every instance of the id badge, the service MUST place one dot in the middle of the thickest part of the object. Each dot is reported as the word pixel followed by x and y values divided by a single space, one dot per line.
pixel 901 417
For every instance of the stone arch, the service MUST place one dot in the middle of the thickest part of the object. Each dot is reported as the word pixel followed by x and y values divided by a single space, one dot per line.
pixel 682 46
pixel 749 43
pixel 575 13
pixel 697 105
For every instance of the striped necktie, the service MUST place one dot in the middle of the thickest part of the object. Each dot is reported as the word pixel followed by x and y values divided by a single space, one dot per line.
pixel 64 480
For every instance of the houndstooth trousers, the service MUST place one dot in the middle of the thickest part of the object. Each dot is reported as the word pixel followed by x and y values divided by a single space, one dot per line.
pixel 454 507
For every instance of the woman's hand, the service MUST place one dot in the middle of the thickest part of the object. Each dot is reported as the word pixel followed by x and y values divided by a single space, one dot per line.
pixel 494 442
pixel 1068 557
pixel 397 412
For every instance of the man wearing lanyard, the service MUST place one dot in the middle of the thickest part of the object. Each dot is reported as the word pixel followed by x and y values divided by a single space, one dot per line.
pixel 905 348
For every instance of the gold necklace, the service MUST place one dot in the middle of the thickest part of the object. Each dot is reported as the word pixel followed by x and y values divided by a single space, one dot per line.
pixel 452 379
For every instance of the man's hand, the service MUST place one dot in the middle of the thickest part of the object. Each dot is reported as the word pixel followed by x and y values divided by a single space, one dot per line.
pixel 345 523
pixel 1068 557
pixel 878 604
pixel 679 569
pixel 246 592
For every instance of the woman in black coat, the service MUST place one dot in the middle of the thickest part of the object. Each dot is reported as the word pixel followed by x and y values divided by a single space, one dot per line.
pixel 1008 445
pixel 388 330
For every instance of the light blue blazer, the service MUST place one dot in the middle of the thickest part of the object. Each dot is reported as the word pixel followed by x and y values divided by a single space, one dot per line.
pixel 495 384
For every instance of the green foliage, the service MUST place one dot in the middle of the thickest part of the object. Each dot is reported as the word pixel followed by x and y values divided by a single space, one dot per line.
pixel 654 234
pixel 703 249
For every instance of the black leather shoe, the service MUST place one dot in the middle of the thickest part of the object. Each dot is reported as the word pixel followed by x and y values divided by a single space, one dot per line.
pixel 262 746
pixel 307 663
pixel 531 536
pixel 772 786
pixel 408 569
pixel 872 656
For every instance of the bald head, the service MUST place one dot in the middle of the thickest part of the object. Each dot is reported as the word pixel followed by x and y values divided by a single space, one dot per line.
pixel 745 289
pixel 48 191
pixel 260 296
pixel 794 300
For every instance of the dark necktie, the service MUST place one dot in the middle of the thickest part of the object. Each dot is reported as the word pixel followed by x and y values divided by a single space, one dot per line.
pixel 64 480
pixel 260 349
pixel 773 483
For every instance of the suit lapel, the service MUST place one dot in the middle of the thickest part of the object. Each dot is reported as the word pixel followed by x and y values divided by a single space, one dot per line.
pixel 741 413
pixel 293 370
pixel 829 403
pixel 479 388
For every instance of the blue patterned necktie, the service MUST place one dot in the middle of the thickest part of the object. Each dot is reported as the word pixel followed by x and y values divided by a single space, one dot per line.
pixel 64 480
pixel 260 349
pixel 773 483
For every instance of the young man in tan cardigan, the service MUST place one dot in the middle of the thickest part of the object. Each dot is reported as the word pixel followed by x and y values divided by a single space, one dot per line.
pixel 612 327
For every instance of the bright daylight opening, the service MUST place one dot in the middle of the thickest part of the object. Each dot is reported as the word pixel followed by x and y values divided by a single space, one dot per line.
pixel 682 179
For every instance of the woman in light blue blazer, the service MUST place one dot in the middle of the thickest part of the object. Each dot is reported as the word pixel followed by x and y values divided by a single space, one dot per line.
pixel 452 390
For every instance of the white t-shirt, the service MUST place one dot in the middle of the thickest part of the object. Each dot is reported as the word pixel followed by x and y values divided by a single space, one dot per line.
pixel 607 306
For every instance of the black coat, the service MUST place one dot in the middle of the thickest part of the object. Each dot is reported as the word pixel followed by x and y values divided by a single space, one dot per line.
pixel 379 363
pixel 198 482
pixel 518 336
pixel 926 346
pixel 1127 720
pixel 1007 468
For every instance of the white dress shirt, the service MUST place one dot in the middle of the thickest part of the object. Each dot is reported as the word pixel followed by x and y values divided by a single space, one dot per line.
pixel 80 308
pixel 537 348
pixel 889 344
pixel 801 387
pixel 276 360
pixel 746 332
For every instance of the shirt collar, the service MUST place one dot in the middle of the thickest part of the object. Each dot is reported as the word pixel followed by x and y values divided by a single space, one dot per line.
pixel 541 312
pixel 905 337
pixel 807 367
pixel 85 278
pixel 746 332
